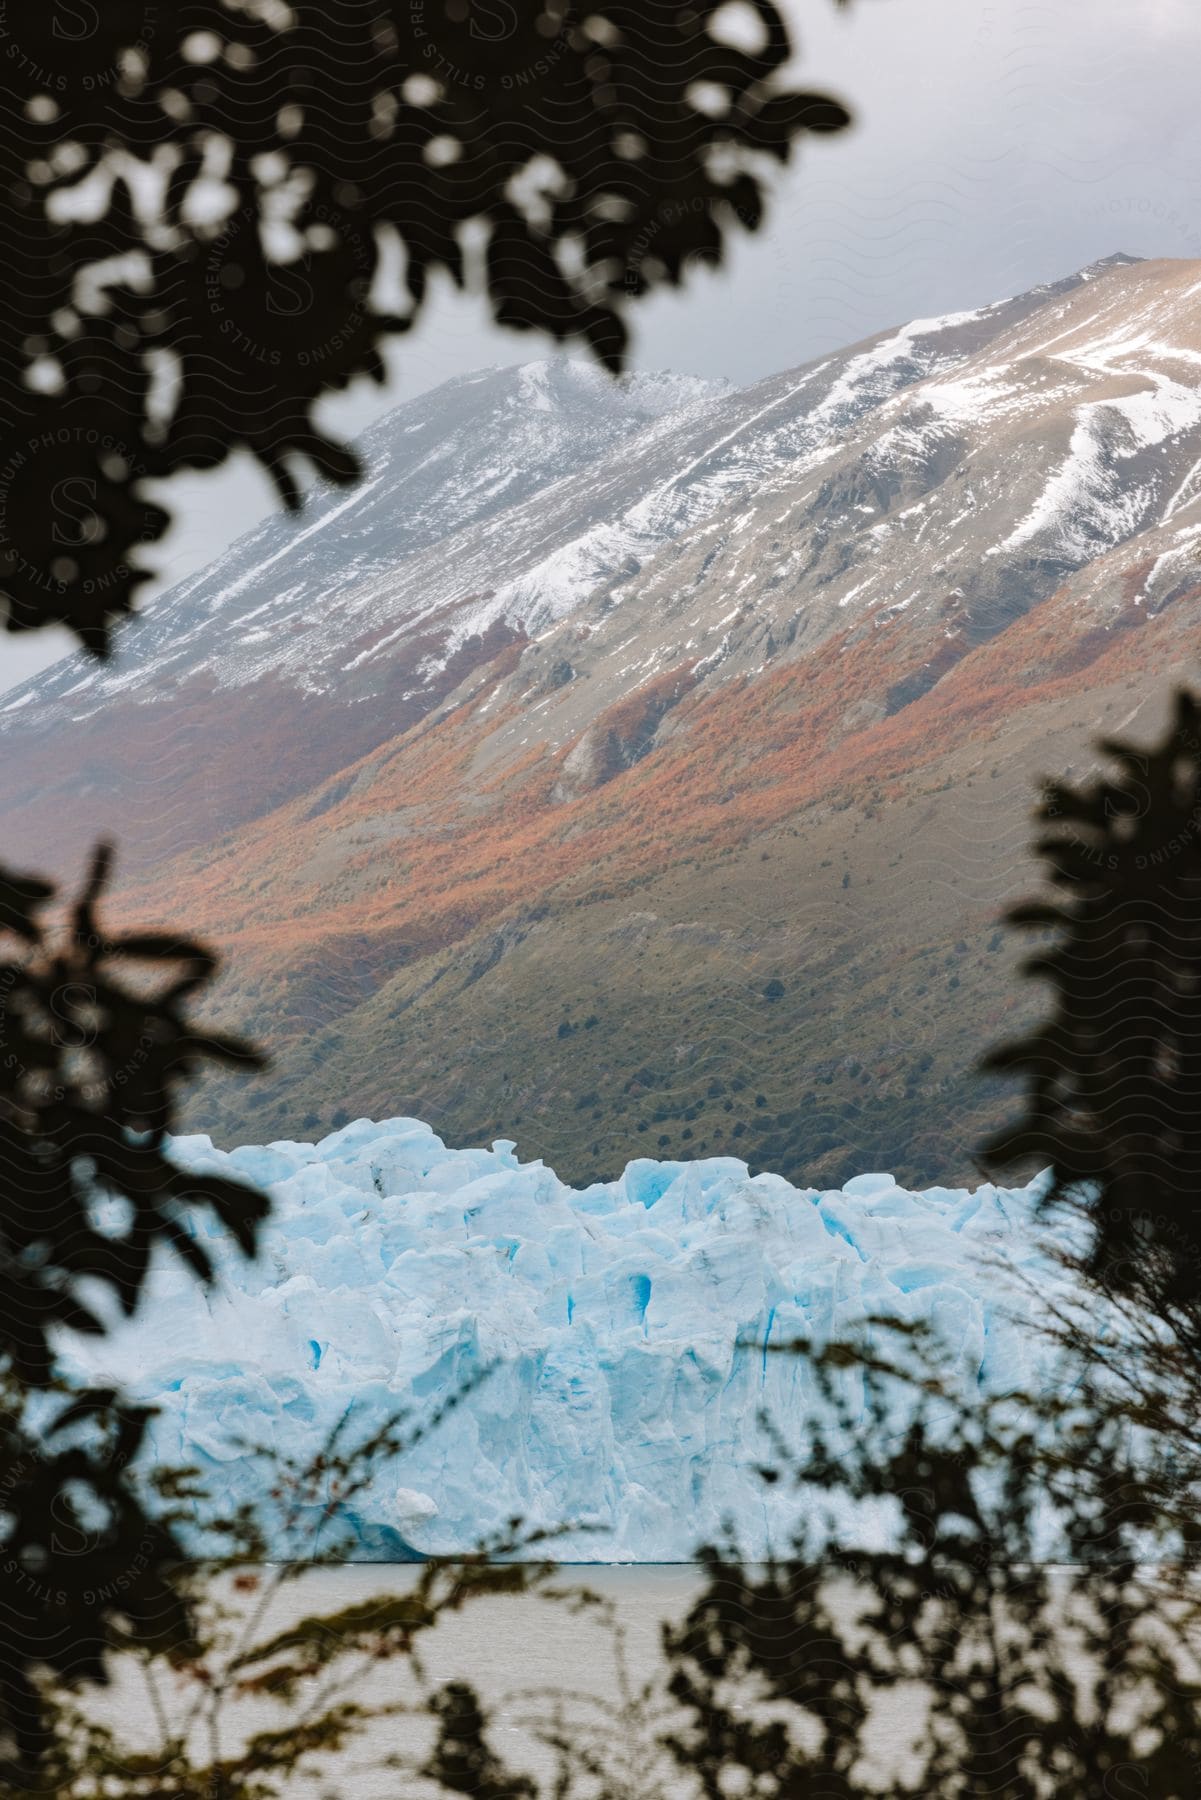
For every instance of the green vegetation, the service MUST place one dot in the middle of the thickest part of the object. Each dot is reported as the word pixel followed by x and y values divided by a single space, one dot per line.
pixel 579 1042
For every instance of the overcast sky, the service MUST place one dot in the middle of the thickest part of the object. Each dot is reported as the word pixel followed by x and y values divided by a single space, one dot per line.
pixel 998 144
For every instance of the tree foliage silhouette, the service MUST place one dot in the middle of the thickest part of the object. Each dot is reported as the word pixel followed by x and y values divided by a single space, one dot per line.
pixel 1016 1678
pixel 1113 1102
pixel 91 1064
pixel 462 1761
pixel 90 1073
pixel 217 213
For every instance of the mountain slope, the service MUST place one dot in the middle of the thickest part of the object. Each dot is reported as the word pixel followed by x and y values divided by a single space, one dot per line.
pixel 665 800
pixel 490 509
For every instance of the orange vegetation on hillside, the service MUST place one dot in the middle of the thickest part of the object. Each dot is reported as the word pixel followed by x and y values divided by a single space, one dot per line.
pixel 419 853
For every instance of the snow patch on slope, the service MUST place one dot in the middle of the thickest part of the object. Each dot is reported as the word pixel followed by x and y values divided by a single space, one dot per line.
pixel 1090 502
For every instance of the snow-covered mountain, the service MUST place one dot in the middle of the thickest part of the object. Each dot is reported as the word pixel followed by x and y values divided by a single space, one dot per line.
pixel 516 498
pixel 595 694
pixel 311 602
pixel 517 506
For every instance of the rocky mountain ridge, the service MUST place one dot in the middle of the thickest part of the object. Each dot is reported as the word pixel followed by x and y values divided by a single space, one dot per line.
pixel 612 747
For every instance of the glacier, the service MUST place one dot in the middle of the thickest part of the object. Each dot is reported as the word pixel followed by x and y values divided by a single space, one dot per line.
pixel 627 1328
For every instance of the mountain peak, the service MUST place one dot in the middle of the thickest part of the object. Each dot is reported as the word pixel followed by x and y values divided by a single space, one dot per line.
pixel 1118 260
pixel 560 380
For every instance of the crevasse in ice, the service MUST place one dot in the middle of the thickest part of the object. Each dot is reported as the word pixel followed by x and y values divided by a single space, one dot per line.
pixel 628 1325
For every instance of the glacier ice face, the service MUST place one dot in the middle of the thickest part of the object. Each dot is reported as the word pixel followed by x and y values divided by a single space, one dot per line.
pixel 629 1323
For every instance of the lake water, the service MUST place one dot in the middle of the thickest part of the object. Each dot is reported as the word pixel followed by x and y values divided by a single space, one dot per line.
pixel 528 1656
pixel 524 1654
